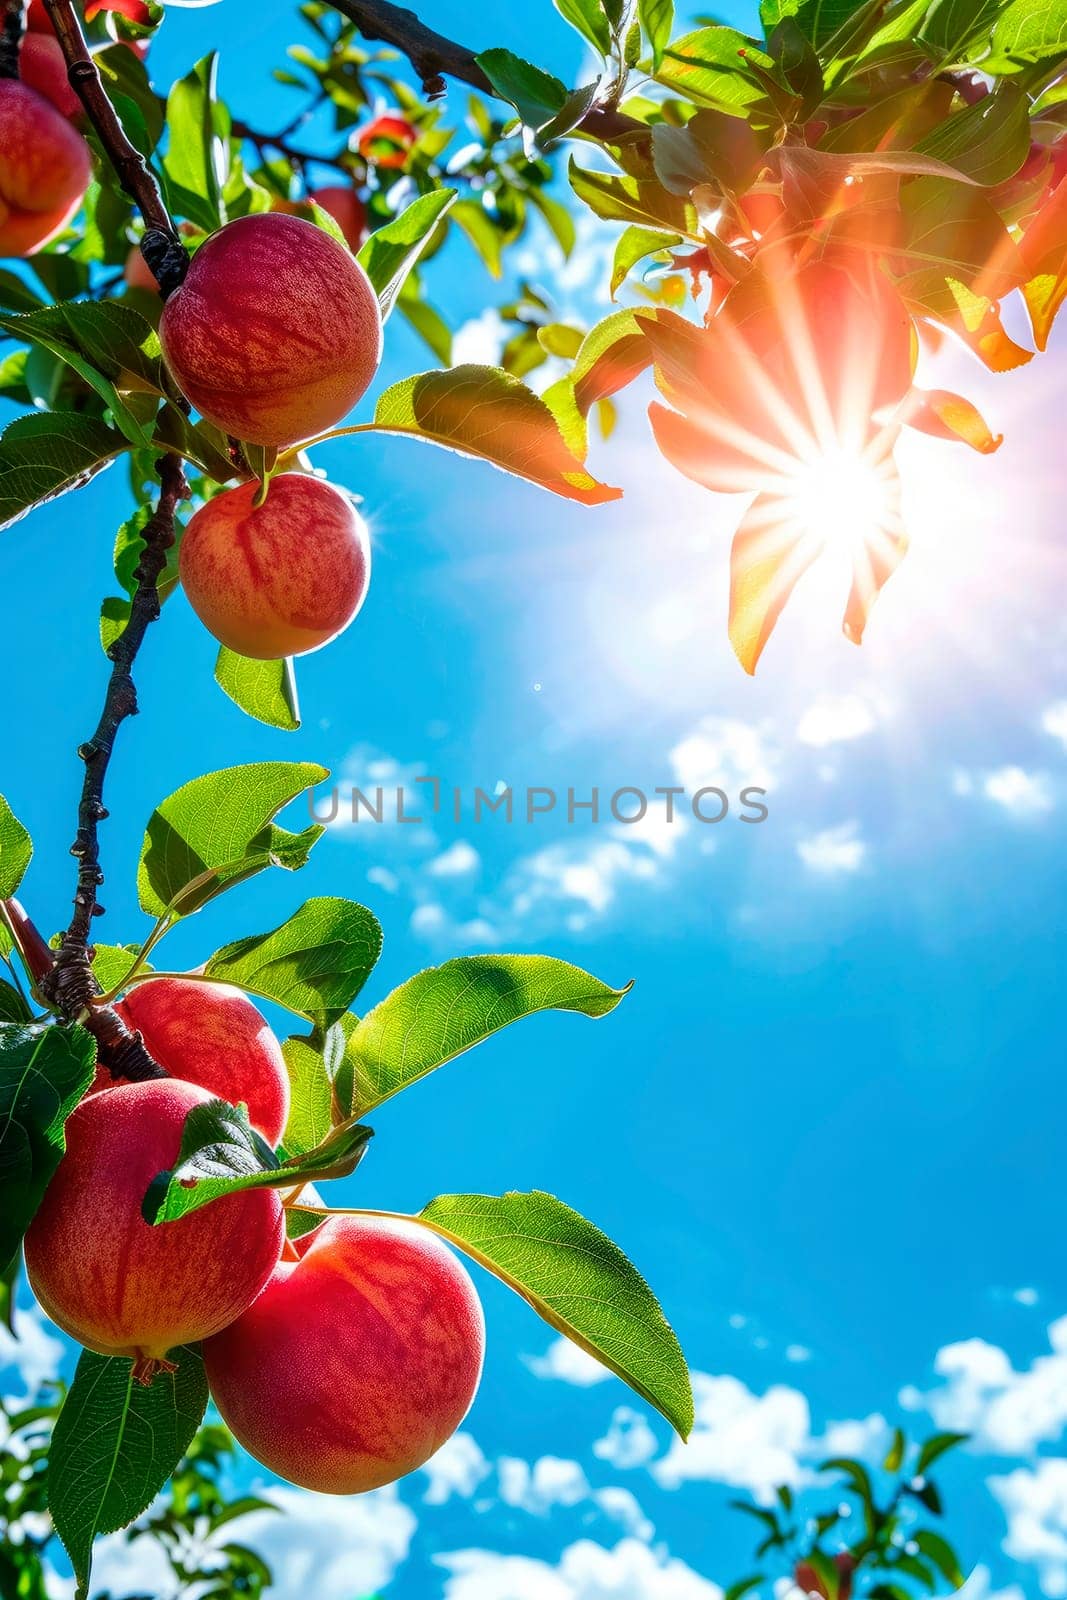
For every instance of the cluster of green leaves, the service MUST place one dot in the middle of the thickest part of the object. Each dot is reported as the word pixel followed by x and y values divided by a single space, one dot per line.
pixel 874 1538
pixel 211 835
pixel 194 1527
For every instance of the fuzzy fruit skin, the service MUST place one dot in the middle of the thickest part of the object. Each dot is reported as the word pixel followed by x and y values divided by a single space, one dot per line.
pixel 388 129
pixel 43 66
pixel 103 1274
pixel 357 1361
pixel 215 1038
pixel 279 579
pixel 275 333
pixel 44 169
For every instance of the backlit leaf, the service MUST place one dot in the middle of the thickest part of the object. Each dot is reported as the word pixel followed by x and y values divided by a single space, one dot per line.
pixel 315 964
pixel 578 1281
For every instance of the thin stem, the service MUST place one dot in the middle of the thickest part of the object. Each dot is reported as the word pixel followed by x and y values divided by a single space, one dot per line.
pixel 434 58
pixel 161 245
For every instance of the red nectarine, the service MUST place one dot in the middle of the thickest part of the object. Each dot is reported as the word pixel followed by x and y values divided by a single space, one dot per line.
pixel 216 1038
pixel 386 140
pixel 276 331
pixel 278 579
pixel 44 169
pixel 357 1361
pixel 108 1278
pixel 43 66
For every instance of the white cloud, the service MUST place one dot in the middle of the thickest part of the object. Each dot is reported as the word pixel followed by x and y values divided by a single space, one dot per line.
pixel 458 1468
pixel 1008 1412
pixel 797 1353
pixel 865 1439
pixel 136 1566
pixel 480 340
pixel 586 1571
pixel 1034 1501
pixel 569 1363
pixel 330 1546
pixel 832 719
pixel 1054 721
pixel 550 1482
pixel 833 850
pixel 726 753
pixel 1022 794
pixel 35 1354
pixel 458 861
pixel 623 1507
pixel 750 1441
pixel 1026 1296
pixel 629 1441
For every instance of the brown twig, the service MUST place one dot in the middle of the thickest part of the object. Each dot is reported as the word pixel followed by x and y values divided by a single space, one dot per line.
pixel 161 245
pixel 434 58
pixel 70 984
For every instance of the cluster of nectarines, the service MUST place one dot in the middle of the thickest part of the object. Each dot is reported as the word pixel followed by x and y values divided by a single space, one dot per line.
pixel 45 165
pixel 340 1360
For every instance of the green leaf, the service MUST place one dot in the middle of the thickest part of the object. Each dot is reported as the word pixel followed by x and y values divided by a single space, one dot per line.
pixel 895 1456
pixel 192 165
pixel 221 1153
pixel 482 232
pixel 635 245
pixel 708 68
pixel 45 454
pixel 1027 31
pixel 590 19
pixel 941 1553
pixel 115 1444
pixel 390 253
pixel 315 964
pixel 429 324
pixel 13 1007
pixel 951 25
pixel 312 1063
pixel 215 831
pixel 484 412
pixel 265 690
pixel 936 1446
pixel 107 343
pixel 16 848
pixel 988 141
pixel 44 1071
pixel 857 1474
pixel 657 19
pixel 16 295
pixel 643 201
pixel 578 1281
pixel 9 1280
pixel 537 96
pixel 440 1013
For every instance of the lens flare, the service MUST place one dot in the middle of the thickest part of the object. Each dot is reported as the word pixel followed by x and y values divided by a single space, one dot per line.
pixel 845 497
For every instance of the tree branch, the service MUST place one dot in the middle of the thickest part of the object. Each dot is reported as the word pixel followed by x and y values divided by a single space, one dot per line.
pixel 434 58
pixel 70 985
pixel 161 245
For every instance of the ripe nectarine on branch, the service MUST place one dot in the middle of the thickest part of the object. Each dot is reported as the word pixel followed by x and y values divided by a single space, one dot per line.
pixel 281 578
pixel 275 333
pixel 358 1360
pixel 103 1274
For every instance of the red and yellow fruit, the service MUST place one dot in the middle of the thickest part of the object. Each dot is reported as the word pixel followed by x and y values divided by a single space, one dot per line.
pixel 107 1277
pixel 213 1037
pixel 387 140
pixel 357 1361
pixel 44 169
pixel 278 579
pixel 276 331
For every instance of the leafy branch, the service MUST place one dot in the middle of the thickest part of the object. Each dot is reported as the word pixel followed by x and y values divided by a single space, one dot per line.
pixel 435 57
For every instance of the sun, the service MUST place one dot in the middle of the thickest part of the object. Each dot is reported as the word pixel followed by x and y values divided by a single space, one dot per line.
pixel 848 498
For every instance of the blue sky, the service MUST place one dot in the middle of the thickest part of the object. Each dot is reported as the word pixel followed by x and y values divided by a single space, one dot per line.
pixel 823 1122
